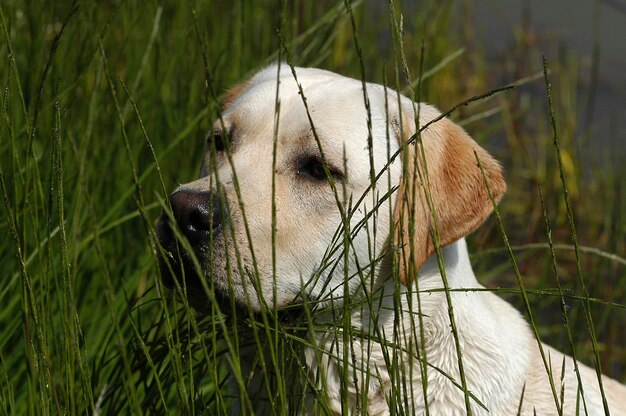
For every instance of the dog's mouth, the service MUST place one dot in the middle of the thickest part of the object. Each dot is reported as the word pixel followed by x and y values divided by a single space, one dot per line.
pixel 193 279
pixel 179 273
pixel 198 218
pixel 177 268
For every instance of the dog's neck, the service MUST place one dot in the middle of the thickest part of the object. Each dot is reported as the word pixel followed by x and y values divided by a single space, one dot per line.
pixel 456 266
pixel 426 293
pixel 416 325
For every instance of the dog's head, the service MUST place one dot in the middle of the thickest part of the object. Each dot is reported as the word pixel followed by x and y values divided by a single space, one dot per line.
pixel 305 181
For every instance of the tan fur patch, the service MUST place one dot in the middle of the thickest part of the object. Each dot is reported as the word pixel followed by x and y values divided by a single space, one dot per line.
pixel 447 173
pixel 235 92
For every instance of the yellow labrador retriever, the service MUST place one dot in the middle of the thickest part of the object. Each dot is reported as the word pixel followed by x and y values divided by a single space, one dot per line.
pixel 358 195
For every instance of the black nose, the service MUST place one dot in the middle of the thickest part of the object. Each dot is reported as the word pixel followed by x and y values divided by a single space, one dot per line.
pixel 197 213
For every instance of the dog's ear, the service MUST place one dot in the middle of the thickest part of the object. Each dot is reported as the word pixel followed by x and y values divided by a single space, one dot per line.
pixel 440 165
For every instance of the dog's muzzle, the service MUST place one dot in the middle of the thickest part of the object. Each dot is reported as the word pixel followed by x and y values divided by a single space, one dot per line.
pixel 198 215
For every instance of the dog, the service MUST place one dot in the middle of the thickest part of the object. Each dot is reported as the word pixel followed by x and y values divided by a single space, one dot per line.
pixel 321 187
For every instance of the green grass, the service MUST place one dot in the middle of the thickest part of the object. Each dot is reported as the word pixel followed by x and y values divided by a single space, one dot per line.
pixel 103 111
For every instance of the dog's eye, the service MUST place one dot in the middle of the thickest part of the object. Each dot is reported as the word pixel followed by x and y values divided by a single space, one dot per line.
pixel 313 167
pixel 216 139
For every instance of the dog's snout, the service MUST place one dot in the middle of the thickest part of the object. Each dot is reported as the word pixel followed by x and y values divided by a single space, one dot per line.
pixel 197 213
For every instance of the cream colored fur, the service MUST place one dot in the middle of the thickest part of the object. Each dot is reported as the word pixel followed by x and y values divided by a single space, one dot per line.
pixel 500 355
